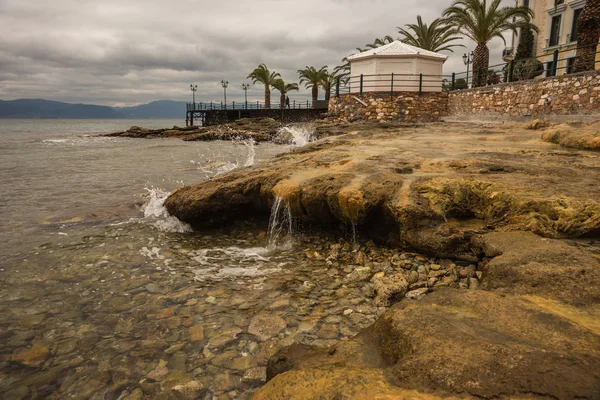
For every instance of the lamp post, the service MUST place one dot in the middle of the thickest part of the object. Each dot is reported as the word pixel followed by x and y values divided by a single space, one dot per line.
pixel 194 88
pixel 225 84
pixel 468 59
pixel 246 86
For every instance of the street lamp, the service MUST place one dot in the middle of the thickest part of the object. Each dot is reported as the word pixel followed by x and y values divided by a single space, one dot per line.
pixel 225 84
pixel 194 88
pixel 468 60
pixel 246 86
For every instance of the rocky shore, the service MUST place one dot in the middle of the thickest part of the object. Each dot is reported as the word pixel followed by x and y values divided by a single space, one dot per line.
pixel 518 217
pixel 257 129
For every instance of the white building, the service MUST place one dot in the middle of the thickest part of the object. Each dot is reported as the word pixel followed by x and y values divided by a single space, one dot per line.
pixel 404 61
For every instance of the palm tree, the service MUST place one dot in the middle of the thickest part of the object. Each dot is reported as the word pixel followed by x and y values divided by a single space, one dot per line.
pixel 328 81
pixel 283 88
pixel 433 37
pixel 481 24
pixel 311 77
pixel 263 75
pixel 588 35
pixel 343 71
pixel 378 42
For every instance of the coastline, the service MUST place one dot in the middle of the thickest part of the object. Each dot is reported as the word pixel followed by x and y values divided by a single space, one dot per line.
pixel 478 194
pixel 382 260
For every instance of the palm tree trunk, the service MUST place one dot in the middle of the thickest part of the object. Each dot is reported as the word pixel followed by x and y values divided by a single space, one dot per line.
pixel 327 95
pixel 481 60
pixel 587 36
pixel 282 101
pixel 315 94
pixel 267 97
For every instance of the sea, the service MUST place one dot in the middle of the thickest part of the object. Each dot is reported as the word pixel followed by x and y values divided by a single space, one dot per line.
pixel 104 295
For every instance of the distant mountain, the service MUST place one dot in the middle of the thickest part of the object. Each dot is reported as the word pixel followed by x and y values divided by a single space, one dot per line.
pixel 39 108
pixel 155 109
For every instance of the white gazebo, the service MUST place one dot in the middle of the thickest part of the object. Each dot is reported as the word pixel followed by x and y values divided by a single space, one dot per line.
pixel 404 61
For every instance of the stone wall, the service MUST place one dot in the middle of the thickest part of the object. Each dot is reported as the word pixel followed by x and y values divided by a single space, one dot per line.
pixel 380 107
pixel 577 94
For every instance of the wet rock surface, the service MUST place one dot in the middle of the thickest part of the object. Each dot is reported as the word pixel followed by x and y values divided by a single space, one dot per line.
pixel 575 135
pixel 465 180
pixel 257 129
pixel 493 199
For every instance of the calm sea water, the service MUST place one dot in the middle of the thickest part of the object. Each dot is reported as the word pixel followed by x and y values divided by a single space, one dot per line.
pixel 61 171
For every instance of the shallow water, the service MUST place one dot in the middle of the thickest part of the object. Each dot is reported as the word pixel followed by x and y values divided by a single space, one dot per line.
pixel 104 295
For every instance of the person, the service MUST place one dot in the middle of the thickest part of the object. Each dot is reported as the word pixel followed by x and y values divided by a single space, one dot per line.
pixel 287 102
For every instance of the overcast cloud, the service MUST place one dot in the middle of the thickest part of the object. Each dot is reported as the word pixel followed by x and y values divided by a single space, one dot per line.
pixel 117 52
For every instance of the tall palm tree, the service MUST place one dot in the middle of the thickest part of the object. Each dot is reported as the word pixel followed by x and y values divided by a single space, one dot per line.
pixel 283 88
pixel 433 37
pixel 263 75
pixel 481 23
pixel 328 81
pixel 588 34
pixel 311 77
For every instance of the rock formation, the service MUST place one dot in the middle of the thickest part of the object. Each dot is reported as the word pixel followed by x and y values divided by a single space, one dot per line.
pixel 521 208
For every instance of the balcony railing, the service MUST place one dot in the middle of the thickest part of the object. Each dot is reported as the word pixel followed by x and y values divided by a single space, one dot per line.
pixel 508 52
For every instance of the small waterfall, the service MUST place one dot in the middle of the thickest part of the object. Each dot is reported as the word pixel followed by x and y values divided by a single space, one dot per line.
pixel 280 222
pixel 251 152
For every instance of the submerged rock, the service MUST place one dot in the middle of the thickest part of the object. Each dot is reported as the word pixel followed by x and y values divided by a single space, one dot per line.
pixel 390 289
pixel 265 326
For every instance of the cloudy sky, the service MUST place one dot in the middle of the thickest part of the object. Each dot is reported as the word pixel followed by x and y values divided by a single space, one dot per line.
pixel 117 52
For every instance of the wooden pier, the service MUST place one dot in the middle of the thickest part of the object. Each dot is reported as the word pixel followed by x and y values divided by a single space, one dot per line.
pixel 206 114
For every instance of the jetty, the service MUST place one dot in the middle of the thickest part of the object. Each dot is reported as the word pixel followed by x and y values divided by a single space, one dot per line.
pixel 207 114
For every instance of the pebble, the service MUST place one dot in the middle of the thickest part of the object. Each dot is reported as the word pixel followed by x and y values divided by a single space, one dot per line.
pixel 161 333
pixel 359 274
pixel 416 294
pixel 265 326
pixel 224 338
pixel 196 333
pixel 153 288
pixel 255 376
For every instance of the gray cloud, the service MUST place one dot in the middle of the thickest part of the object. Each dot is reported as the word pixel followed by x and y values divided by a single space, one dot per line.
pixel 120 53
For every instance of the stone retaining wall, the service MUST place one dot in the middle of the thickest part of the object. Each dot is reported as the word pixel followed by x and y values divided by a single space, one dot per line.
pixel 577 94
pixel 380 107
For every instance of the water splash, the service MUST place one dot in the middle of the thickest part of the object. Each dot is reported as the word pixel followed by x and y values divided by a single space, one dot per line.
pixel 251 152
pixel 232 263
pixel 297 135
pixel 224 168
pixel 156 213
pixel 280 222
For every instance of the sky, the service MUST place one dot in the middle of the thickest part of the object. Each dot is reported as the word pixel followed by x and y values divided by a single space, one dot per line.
pixel 120 53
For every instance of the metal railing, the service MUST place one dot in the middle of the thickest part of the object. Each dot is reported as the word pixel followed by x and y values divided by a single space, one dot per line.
pixel 391 83
pixel 508 52
pixel 522 70
pixel 247 105
pixel 512 71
